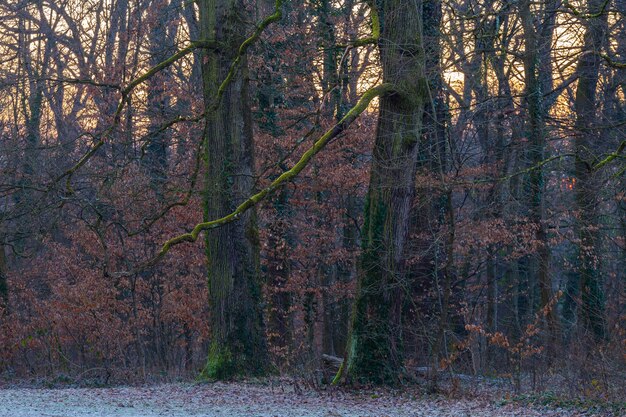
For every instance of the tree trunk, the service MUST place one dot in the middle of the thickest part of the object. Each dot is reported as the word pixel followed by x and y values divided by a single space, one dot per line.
pixel 161 43
pixel 587 275
pixel 537 40
pixel 374 352
pixel 4 287
pixel 238 344
pixel 279 296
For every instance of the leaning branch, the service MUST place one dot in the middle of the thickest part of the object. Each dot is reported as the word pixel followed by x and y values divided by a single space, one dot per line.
pixel 612 63
pixel 283 179
pixel 275 17
pixel 610 157
pixel 156 69
pixel 539 165
pixel 584 15
pixel 82 81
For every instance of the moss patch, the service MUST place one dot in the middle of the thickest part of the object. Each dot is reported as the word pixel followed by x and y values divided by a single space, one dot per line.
pixel 220 365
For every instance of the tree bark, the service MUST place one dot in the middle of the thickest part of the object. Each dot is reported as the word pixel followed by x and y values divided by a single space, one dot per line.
pixel 587 275
pixel 161 39
pixel 374 351
pixel 238 345
pixel 537 79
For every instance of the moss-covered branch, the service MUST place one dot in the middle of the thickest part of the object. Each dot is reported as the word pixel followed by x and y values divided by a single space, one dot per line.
pixel 612 63
pixel 81 81
pixel 283 179
pixel 534 167
pixel 590 15
pixel 599 165
pixel 126 91
pixel 611 156
pixel 275 17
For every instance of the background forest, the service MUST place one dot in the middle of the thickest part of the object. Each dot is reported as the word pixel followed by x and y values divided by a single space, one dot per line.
pixel 437 184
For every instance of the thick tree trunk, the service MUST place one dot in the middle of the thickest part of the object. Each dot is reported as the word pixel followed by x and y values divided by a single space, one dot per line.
pixel 238 341
pixel 374 351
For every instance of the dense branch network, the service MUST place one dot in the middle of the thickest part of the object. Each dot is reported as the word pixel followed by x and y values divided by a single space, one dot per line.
pixel 126 92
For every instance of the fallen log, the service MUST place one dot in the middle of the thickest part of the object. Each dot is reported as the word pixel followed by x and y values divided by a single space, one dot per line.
pixel 332 360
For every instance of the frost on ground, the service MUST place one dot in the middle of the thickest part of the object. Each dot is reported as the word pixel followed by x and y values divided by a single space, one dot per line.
pixel 240 400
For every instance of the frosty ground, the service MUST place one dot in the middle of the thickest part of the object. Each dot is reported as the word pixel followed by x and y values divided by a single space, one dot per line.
pixel 245 400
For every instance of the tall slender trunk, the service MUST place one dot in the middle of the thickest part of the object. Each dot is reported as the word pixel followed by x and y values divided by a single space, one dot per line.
pixel 32 103
pixel 161 43
pixel 537 40
pixel 328 272
pixel 279 296
pixel 588 269
pixel 435 207
pixel 4 287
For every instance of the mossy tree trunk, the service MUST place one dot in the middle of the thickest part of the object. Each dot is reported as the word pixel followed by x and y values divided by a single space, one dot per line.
pixel 238 344
pixel 374 351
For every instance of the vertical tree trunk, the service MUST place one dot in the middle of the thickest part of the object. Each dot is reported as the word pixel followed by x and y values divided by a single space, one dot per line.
pixel 161 44
pixel 4 287
pixel 328 272
pixel 279 230
pixel 32 107
pixel 238 341
pixel 537 40
pixel 279 296
pixel 434 270
pixel 374 352
pixel 587 273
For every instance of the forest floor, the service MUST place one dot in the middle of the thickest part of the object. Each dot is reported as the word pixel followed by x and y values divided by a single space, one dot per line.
pixel 254 400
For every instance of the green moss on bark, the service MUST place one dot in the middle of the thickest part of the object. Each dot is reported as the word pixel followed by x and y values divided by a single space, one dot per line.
pixel 220 364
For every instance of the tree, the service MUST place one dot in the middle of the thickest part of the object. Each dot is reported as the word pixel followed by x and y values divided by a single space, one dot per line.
pixel 588 269
pixel 374 351
pixel 161 38
pixel 238 343
pixel 538 80
pixel 488 190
